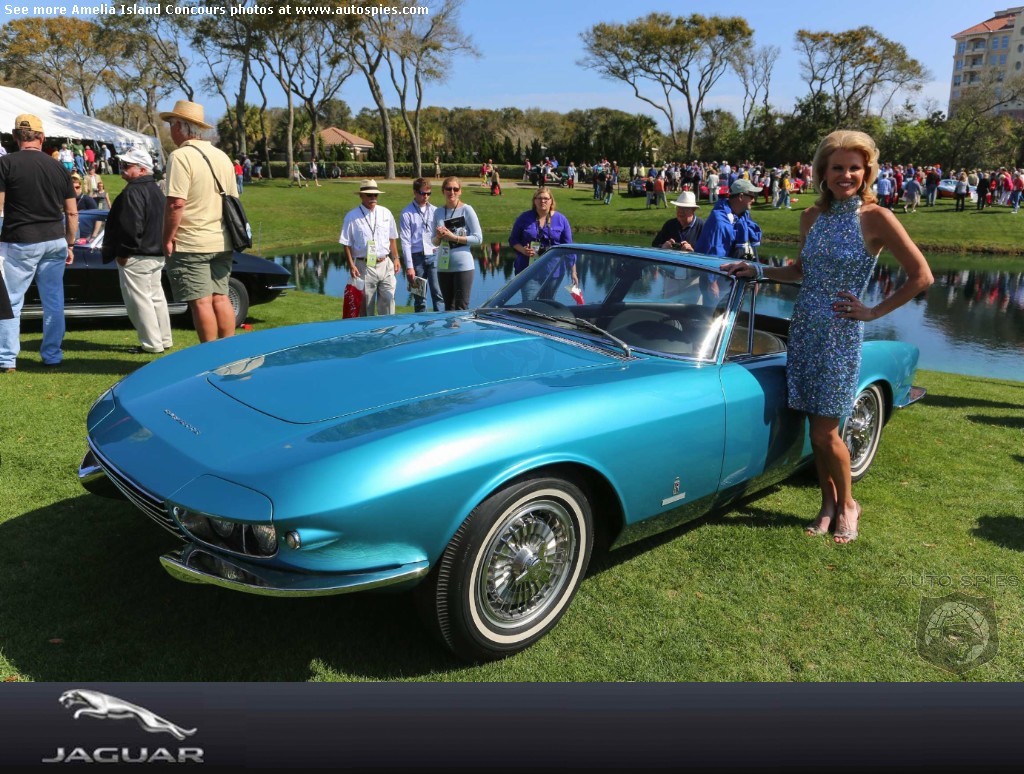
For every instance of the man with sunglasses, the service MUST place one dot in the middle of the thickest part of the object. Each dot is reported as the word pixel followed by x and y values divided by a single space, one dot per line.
pixel 370 236
pixel 415 227
pixel 134 238
pixel 729 231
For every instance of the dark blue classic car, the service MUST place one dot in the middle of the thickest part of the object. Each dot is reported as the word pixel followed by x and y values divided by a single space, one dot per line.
pixel 92 289
pixel 476 457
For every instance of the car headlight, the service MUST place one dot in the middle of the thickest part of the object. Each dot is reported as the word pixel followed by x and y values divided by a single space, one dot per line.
pixel 266 538
pixel 221 527
pixel 195 523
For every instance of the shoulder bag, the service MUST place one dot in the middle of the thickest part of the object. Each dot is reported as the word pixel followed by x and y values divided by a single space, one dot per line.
pixel 232 213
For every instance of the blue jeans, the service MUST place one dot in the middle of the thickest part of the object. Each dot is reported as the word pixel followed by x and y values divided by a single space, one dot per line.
pixel 427 268
pixel 43 261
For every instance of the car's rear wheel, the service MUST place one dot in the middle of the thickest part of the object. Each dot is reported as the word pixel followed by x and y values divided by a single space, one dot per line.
pixel 511 570
pixel 239 297
pixel 863 430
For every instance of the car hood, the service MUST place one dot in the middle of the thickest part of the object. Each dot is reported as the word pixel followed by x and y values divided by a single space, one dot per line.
pixel 395 363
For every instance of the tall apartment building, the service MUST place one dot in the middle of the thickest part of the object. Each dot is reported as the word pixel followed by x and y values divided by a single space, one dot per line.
pixel 992 49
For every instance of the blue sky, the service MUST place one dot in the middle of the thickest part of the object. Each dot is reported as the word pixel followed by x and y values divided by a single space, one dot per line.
pixel 529 49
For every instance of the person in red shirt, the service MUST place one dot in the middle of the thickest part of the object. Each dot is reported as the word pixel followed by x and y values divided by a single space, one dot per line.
pixel 659 192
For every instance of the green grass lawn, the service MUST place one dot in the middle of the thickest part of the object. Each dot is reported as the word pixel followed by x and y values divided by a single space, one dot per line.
pixel 741 595
pixel 284 217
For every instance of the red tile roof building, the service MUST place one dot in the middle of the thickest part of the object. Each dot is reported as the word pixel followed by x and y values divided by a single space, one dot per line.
pixel 989 52
pixel 332 135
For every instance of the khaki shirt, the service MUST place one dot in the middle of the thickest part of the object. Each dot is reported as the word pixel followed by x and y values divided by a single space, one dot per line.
pixel 188 178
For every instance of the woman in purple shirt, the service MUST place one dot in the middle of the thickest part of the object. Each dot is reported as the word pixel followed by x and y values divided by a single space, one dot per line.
pixel 533 233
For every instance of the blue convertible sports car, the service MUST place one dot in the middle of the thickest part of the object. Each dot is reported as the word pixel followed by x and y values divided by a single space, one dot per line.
pixel 477 457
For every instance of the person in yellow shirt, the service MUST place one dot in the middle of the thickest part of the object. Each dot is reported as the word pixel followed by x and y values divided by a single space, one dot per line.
pixel 197 247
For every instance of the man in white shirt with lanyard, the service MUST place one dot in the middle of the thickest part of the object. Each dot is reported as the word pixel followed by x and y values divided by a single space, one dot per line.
pixel 415 226
pixel 369 235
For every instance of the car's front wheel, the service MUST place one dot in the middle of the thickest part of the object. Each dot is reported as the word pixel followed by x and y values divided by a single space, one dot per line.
pixel 511 570
pixel 238 294
pixel 863 430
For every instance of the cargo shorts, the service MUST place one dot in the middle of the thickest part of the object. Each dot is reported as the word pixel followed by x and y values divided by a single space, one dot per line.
pixel 198 275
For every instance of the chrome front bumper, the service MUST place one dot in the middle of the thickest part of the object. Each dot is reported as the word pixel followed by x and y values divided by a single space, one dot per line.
pixel 196 565
pixel 913 396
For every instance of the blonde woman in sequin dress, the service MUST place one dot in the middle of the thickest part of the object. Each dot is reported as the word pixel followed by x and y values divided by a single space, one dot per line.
pixel 841 236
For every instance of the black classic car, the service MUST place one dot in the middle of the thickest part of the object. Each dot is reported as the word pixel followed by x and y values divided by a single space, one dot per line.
pixel 91 287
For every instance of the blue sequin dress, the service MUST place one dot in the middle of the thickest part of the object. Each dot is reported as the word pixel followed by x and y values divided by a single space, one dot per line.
pixel 824 350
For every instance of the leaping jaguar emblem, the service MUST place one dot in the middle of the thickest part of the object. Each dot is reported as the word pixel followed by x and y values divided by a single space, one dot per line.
pixel 104 706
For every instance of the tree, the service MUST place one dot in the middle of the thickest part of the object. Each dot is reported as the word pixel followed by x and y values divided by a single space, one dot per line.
pixel 259 77
pixel 159 34
pixel 978 135
pixel 255 129
pixel 368 45
pixel 606 133
pixel 684 56
pixel 855 69
pixel 754 68
pixel 228 45
pixel 324 68
pixel 280 49
pixel 420 51
pixel 720 135
pixel 140 75
pixel 62 57
pixel 334 112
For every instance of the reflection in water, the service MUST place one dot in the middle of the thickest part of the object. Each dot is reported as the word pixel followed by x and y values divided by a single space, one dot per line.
pixel 969 321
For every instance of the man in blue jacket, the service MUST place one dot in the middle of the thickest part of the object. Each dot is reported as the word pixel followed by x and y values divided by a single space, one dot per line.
pixel 729 231
pixel 134 238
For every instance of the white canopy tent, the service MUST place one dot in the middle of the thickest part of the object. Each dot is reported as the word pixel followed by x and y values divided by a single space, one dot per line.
pixel 60 122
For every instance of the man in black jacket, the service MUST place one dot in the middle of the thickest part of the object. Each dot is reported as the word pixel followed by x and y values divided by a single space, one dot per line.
pixel 134 238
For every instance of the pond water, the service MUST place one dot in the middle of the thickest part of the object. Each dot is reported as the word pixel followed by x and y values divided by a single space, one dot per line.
pixel 968 322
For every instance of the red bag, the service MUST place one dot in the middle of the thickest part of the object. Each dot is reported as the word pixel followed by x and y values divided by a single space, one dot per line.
pixel 353 298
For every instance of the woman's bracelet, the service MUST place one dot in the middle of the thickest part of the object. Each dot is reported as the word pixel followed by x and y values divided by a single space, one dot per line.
pixel 758 269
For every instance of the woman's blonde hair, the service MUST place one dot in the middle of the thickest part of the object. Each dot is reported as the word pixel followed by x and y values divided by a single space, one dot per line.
pixel 548 191
pixel 846 140
pixel 452 179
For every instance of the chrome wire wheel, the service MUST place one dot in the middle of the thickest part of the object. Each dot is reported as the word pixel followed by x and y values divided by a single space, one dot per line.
pixel 526 564
pixel 511 570
pixel 863 430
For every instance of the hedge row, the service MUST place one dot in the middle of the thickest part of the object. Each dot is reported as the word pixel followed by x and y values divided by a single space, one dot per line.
pixel 376 170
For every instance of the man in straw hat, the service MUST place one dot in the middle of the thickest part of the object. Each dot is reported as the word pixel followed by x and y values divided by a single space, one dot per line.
pixel 369 235
pixel 38 238
pixel 682 231
pixel 134 238
pixel 195 242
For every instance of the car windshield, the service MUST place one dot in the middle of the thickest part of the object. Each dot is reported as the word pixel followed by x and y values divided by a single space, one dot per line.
pixel 625 301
